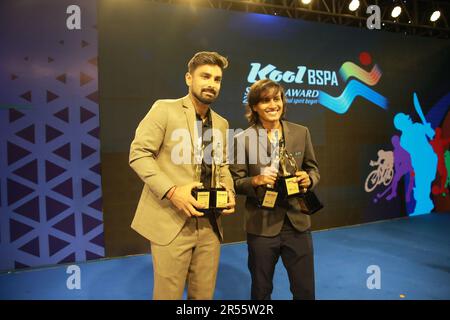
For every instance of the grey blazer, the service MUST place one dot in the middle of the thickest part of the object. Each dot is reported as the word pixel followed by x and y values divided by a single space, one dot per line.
pixel 265 222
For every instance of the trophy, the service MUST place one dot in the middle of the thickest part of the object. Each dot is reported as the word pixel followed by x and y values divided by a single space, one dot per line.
pixel 218 194
pixel 211 198
pixel 288 181
pixel 308 201
pixel 270 194
pixel 270 197
pixel 201 194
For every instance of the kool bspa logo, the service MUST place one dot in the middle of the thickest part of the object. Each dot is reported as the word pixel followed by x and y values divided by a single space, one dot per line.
pixel 301 84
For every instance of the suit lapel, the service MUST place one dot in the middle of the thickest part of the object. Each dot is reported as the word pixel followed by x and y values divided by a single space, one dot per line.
pixel 289 143
pixel 189 112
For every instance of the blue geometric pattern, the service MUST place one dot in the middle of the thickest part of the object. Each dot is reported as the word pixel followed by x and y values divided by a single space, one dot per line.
pixel 50 183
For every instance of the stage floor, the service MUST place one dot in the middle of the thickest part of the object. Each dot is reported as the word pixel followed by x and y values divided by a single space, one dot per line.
pixel 413 255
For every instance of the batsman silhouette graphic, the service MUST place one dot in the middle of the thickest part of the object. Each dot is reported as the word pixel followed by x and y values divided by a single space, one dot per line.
pixel 415 139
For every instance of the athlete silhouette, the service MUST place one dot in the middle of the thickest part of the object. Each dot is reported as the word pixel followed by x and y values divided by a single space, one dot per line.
pixel 415 139
pixel 440 145
pixel 402 167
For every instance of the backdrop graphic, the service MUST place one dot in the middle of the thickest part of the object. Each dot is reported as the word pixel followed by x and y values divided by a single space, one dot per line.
pixel 50 184
pixel 346 84
pixel 418 156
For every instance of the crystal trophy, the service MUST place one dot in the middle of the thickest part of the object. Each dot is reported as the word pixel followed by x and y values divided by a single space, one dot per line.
pixel 218 194
pixel 288 180
pixel 201 194
pixel 308 200
pixel 270 195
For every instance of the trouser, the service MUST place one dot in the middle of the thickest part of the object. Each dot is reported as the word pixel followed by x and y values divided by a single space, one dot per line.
pixel 191 259
pixel 425 173
pixel 296 251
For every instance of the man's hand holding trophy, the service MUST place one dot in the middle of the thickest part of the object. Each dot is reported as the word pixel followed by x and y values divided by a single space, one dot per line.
pixel 216 197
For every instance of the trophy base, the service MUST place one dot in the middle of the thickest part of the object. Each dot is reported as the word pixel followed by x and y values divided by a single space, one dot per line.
pixel 269 199
pixel 289 186
pixel 309 203
pixel 213 198
pixel 218 198
pixel 202 196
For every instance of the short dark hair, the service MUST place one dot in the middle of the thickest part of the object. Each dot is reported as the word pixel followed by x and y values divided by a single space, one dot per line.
pixel 255 95
pixel 207 57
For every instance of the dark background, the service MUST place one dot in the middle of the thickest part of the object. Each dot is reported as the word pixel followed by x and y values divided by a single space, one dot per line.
pixel 143 52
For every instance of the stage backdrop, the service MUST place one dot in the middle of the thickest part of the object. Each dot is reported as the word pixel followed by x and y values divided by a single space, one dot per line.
pixel 50 184
pixel 345 84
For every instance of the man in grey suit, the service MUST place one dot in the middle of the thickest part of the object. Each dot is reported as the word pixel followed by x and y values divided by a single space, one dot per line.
pixel 284 230
pixel 185 242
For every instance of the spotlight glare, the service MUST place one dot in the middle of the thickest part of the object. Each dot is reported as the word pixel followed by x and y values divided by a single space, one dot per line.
pixel 435 16
pixel 354 5
pixel 396 12
pixel 306 1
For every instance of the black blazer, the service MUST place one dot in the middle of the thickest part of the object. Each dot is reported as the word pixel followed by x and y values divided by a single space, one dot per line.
pixel 261 221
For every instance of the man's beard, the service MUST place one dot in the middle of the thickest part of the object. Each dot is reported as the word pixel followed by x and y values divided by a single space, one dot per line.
pixel 205 100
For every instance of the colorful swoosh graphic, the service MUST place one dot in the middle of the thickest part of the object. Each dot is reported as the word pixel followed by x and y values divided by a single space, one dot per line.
pixel 353 89
pixel 349 69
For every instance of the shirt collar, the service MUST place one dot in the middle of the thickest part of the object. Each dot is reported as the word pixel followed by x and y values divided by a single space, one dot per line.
pixel 208 117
